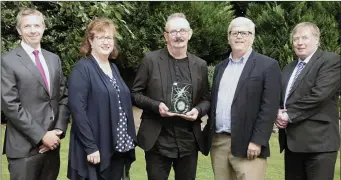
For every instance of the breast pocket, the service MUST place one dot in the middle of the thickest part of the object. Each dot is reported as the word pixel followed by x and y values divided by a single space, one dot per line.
pixel 254 85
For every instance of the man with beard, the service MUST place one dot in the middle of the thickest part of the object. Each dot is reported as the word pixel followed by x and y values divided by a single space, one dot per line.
pixel 170 131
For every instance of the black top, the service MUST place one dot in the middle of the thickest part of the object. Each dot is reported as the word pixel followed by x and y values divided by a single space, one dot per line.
pixel 176 137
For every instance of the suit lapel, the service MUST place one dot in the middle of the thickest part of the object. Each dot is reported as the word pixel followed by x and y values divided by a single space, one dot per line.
pixel 305 70
pixel 27 62
pixel 287 72
pixel 250 64
pixel 164 69
pixel 194 73
pixel 49 63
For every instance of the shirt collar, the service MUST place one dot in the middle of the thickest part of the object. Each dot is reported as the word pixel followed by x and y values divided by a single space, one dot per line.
pixel 29 50
pixel 243 59
pixel 306 60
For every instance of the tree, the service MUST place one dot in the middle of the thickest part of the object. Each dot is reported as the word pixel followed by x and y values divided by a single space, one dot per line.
pixel 66 23
pixel 207 19
pixel 275 20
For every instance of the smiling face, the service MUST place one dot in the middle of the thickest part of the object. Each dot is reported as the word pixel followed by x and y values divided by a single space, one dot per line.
pixel 102 43
pixel 31 29
pixel 304 42
pixel 240 39
pixel 178 32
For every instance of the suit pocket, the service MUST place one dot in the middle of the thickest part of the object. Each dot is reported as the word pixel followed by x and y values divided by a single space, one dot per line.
pixel 254 78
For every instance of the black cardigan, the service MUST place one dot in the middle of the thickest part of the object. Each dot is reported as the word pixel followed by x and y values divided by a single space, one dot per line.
pixel 94 107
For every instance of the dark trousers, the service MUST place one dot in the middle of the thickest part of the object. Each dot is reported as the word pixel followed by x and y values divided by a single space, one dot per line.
pixel 118 168
pixel 38 167
pixel 309 166
pixel 158 166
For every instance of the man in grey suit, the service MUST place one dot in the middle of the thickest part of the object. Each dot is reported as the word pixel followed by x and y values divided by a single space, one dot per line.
pixel 309 116
pixel 34 100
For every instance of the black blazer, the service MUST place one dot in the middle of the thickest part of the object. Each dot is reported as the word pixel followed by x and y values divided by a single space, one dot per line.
pixel 149 89
pixel 254 107
pixel 312 105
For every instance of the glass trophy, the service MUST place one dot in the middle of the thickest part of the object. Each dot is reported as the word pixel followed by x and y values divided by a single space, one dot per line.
pixel 181 98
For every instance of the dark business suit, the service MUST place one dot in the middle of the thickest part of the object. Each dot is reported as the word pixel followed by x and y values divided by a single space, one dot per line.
pixel 312 108
pixel 31 111
pixel 150 89
pixel 254 105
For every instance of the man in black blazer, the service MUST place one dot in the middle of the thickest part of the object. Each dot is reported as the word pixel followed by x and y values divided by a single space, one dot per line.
pixel 245 95
pixel 169 138
pixel 34 100
pixel 309 117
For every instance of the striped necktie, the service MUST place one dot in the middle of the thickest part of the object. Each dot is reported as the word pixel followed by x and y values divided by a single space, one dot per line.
pixel 300 67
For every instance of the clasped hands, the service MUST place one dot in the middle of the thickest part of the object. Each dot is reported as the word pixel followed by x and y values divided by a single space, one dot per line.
pixel 190 116
pixel 282 119
pixel 51 141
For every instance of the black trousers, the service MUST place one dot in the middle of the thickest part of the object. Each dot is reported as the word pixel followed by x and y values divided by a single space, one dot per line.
pixel 38 167
pixel 117 170
pixel 309 166
pixel 158 166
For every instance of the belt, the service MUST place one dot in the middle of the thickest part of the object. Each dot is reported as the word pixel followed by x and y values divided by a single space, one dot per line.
pixel 225 133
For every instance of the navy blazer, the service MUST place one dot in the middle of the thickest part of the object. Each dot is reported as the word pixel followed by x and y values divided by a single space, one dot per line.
pixel 94 108
pixel 254 107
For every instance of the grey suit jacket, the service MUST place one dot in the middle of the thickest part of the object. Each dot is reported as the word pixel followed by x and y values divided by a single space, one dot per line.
pixel 27 104
pixel 312 105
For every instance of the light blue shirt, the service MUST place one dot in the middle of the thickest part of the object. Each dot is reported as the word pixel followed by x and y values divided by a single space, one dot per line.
pixel 226 91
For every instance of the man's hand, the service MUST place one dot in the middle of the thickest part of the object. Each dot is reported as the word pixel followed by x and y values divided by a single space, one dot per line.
pixel 51 139
pixel 191 115
pixel 282 119
pixel 253 151
pixel 43 149
pixel 164 111
pixel 94 158
pixel 58 132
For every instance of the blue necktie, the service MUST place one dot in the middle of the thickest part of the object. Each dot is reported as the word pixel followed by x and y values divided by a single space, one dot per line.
pixel 300 67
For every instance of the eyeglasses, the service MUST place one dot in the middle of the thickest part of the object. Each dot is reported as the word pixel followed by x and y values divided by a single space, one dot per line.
pixel 242 33
pixel 102 38
pixel 175 32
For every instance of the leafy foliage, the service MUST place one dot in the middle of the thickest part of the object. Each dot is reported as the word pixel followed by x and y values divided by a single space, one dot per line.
pixel 141 26
pixel 275 20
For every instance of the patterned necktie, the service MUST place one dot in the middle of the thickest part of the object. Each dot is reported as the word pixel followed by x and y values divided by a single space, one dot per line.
pixel 300 66
pixel 40 67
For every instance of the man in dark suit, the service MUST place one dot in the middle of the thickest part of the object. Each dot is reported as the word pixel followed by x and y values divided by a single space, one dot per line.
pixel 34 100
pixel 167 136
pixel 245 95
pixel 309 116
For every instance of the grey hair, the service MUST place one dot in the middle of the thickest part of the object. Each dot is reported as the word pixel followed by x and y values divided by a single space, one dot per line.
pixel 173 16
pixel 26 12
pixel 313 27
pixel 242 21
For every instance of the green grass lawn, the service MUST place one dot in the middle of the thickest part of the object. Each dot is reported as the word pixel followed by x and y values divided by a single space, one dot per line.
pixel 275 170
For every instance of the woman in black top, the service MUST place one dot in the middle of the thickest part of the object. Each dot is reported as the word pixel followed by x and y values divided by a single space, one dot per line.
pixel 103 139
